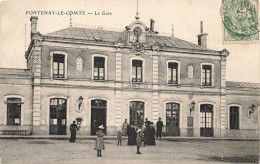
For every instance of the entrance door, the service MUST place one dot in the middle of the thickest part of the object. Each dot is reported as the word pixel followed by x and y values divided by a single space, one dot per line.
pixel 98 115
pixel 58 110
pixel 206 120
pixel 172 119
pixel 137 113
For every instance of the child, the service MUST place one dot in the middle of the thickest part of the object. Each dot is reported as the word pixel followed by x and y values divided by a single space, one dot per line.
pixel 139 138
pixel 99 144
pixel 119 137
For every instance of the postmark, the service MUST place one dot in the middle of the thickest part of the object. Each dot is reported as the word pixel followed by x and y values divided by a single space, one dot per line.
pixel 240 21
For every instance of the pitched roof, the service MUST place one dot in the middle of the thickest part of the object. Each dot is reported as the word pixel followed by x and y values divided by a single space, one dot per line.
pixel 14 72
pixel 242 84
pixel 113 36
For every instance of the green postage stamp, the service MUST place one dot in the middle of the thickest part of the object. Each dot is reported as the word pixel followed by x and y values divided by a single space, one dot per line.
pixel 240 21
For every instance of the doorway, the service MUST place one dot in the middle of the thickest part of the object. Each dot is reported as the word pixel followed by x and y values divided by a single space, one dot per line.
pixel 58 116
pixel 137 113
pixel 98 115
pixel 172 119
pixel 206 120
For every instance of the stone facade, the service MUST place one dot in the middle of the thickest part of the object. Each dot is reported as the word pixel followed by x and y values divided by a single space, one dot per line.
pixel 117 89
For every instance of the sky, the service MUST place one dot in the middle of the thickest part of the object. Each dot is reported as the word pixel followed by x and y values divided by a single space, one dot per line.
pixel 243 63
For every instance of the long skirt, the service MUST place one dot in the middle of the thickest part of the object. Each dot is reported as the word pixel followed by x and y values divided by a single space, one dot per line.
pixel 73 136
pixel 99 144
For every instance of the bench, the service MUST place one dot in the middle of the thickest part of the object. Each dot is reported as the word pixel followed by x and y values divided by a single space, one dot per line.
pixel 13 132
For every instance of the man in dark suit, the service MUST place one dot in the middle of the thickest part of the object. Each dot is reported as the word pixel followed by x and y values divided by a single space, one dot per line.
pixel 159 126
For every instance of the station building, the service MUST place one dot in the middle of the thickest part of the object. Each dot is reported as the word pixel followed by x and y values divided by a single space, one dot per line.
pixel 104 77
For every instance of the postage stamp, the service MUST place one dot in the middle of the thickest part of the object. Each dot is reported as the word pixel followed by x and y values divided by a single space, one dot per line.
pixel 240 21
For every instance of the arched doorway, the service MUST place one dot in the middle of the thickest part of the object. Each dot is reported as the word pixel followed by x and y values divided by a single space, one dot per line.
pixel 136 113
pixel 172 119
pixel 98 114
pixel 206 120
pixel 58 116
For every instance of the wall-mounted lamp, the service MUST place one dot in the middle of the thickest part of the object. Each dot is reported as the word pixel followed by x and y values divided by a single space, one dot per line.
pixel 192 106
pixel 251 110
pixel 79 104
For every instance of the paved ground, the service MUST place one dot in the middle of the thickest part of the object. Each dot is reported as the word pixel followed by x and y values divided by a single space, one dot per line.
pixel 44 151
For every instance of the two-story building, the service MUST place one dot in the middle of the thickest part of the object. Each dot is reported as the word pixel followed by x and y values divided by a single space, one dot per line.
pixel 104 77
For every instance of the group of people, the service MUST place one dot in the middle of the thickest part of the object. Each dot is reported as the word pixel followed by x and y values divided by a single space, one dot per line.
pixel 136 135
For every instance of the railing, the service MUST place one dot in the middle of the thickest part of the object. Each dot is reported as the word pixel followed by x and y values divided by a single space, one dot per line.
pixel 13 132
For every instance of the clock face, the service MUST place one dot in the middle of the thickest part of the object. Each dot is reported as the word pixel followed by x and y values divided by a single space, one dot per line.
pixel 137 33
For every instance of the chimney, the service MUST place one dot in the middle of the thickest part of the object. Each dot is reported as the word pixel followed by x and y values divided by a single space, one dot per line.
pixel 151 25
pixel 202 37
pixel 33 25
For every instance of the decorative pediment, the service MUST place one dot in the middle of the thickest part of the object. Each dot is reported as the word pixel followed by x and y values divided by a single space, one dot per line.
pixel 224 53
pixel 156 47
pixel 138 48
pixel 37 38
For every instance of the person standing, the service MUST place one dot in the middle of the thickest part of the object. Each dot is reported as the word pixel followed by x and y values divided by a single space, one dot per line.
pixel 139 137
pixel 131 136
pixel 99 144
pixel 159 126
pixel 124 128
pixel 119 137
pixel 73 131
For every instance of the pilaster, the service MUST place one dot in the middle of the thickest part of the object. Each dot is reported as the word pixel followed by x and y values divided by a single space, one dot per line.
pixel 118 92
pixel 155 86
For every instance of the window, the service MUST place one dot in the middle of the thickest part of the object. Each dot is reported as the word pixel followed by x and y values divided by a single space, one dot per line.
pixel 99 68
pixel 206 75
pixel 58 64
pixel 206 116
pixel 13 111
pixel 137 71
pixel 234 117
pixel 172 73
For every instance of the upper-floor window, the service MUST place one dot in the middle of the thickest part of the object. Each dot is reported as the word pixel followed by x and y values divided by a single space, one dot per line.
pixel 99 68
pixel 172 73
pixel 206 75
pixel 13 111
pixel 58 65
pixel 137 71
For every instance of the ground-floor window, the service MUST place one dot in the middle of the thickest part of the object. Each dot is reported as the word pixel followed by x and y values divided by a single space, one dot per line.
pixel 234 117
pixel 136 113
pixel 172 119
pixel 13 111
pixel 206 120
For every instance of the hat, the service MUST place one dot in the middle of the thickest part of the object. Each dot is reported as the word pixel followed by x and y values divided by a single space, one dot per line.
pixel 101 127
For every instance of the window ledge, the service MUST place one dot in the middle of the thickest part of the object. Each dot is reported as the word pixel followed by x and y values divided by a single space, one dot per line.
pixel 174 85
pixel 133 82
pixel 206 87
pixel 65 79
pixel 104 81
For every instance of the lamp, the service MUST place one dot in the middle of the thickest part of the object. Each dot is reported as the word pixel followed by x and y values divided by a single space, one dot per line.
pixel 80 100
pixel 192 106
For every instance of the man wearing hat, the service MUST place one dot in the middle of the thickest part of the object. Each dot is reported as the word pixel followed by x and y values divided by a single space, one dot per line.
pixel 159 126
pixel 139 138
